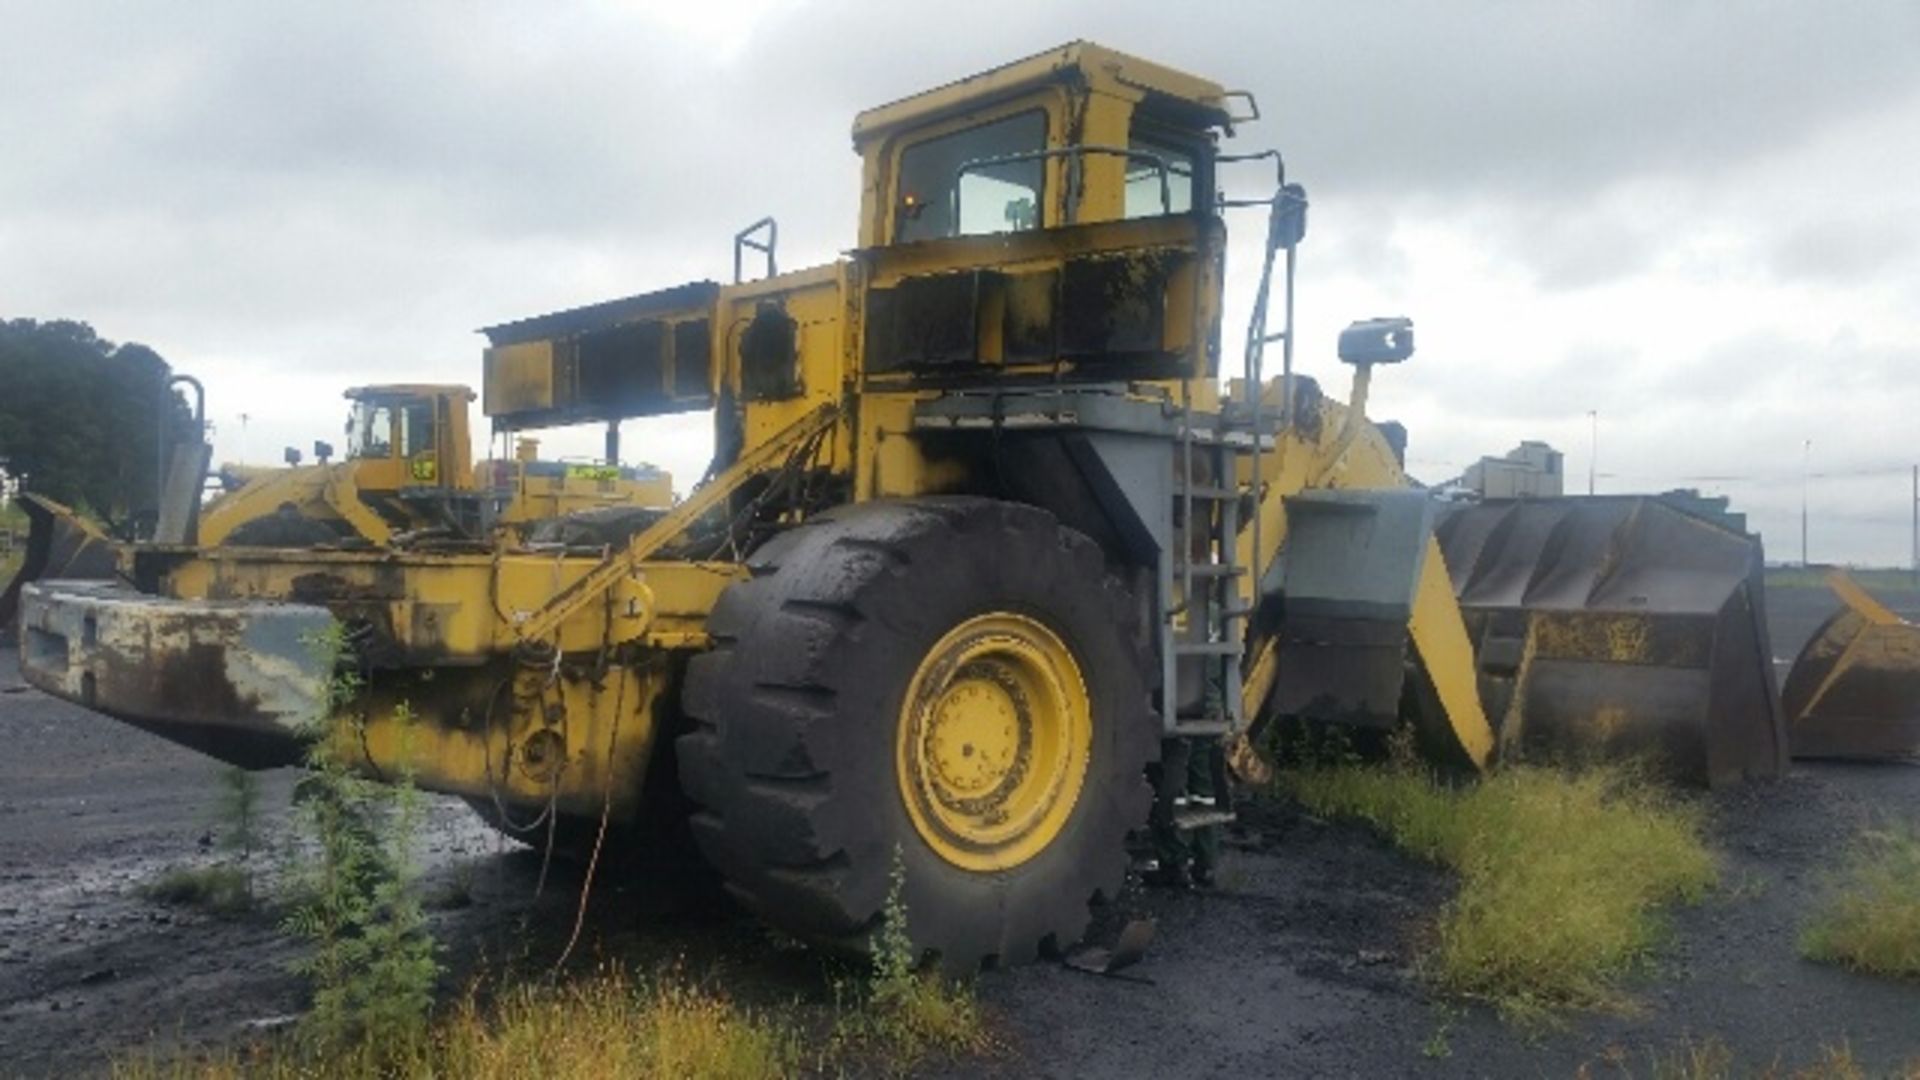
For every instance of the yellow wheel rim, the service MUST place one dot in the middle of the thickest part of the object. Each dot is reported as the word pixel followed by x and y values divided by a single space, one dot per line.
pixel 995 735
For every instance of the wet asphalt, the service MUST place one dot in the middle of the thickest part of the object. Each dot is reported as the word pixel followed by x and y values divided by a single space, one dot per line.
pixel 1300 964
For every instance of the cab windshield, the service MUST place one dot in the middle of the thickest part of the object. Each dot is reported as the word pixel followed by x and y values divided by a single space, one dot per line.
pixel 992 195
pixel 370 430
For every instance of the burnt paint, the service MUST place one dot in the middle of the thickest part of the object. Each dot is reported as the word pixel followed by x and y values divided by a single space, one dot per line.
pixel 769 355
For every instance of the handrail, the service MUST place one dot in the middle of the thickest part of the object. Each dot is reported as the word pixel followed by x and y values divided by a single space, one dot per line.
pixel 744 239
pixel 1286 225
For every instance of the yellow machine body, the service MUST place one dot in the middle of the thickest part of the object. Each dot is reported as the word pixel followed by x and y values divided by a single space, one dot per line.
pixel 409 452
pixel 401 438
pixel 982 531
pixel 1854 690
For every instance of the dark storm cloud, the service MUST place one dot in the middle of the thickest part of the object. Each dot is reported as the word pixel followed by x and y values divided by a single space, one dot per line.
pixel 559 118
pixel 1541 100
pixel 345 190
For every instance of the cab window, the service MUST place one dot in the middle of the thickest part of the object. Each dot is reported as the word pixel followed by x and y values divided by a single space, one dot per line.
pixel 416 429
pixel 1144 195
pixel 990 198
pixel 370 431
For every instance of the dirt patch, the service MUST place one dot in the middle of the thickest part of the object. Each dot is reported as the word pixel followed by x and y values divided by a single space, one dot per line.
pixel 1301 963
pixel 91 809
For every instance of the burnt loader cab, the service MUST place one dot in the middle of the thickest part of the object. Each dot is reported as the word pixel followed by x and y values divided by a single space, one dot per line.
pixel 1071 137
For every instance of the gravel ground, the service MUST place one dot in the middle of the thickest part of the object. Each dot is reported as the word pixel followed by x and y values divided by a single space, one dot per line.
pixel 1299 965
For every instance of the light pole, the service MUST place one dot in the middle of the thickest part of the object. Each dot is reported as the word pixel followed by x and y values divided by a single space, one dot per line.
pixel 1593 448
pixel 1806 474
pixel 244 417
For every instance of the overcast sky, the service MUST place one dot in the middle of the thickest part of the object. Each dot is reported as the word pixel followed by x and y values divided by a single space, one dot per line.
pixel 1698 219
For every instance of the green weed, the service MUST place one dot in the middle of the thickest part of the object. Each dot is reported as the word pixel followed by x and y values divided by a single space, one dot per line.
pixel 1561 874
pixel 1869 919
pixel 371 962
pixel 609 1025
pixel 905 1014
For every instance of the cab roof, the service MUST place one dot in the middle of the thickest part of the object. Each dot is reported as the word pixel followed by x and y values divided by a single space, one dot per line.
pixel 388 391
pixel 1078 61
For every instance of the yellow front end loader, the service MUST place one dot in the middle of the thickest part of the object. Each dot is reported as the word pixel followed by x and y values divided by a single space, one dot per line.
pixel 407 477
pixel 409 470
pixel 982 535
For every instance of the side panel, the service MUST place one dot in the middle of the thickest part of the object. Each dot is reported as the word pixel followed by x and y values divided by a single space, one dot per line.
pixel 644 355
pixel 463 609
pixel 781 351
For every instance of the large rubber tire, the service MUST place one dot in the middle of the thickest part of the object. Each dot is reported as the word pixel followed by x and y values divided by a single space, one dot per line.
pixel 797 712
pixel 281 530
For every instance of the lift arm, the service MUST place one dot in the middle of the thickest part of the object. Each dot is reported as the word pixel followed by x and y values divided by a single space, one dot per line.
pixel 644 544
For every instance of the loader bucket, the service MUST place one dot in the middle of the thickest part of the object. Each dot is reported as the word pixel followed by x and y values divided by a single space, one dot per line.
pixel 1854 690
pixel 1619 627
pixel 60 544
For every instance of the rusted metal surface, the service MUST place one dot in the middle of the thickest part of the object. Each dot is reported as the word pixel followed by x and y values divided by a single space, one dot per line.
pixel 248 682
pixel 1854 690
pixel 236 680
pixel 1619 627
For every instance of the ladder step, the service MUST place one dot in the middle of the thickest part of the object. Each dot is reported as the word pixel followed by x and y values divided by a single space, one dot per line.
pixel 1207 648
pixel 1211 569
pixel 1186 820
pixel 1201 729
pixel 1199 491
pixel 1233 436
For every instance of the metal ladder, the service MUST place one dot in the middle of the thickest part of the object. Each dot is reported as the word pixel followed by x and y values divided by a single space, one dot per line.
pixel 1202 623
pixel 1202 618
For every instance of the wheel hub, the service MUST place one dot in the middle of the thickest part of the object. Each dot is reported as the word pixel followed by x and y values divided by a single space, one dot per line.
pixel 995 734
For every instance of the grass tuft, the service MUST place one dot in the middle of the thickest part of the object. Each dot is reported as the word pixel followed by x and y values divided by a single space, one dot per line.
pixel 605 1026
pixel 223 889
pixel 904 1022
pixel 1561 875
pixel 1712 1059
pixel 610 1027
pixel 1695 1059
pixel 1869 919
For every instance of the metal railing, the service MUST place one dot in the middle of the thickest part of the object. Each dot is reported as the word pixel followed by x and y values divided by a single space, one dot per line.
pixel 745 239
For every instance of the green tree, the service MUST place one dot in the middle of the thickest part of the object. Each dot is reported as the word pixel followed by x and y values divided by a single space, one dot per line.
pixel 78 416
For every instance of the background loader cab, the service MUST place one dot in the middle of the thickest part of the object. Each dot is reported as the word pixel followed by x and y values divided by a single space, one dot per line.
pixel 409 472
pixel 408 467
pixel 410 436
